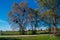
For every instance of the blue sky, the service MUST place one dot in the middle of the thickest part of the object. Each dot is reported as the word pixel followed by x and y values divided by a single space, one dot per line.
pixel 5 7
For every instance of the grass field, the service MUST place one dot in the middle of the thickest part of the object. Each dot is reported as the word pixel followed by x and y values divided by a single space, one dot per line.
pixel 39 37
pixel 15 36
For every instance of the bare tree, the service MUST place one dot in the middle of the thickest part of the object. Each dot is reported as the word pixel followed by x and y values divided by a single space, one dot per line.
pixel 53 6
pixel 17 15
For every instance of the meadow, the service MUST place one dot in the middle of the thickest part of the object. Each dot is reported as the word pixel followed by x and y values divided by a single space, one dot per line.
pixel 38 37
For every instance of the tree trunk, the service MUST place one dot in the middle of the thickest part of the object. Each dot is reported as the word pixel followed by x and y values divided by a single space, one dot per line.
pixel 32 29
pixel 55 30
pixel 35 28
pixel 22 31
pixel 49 29
pixel 54 24
pixel 49 24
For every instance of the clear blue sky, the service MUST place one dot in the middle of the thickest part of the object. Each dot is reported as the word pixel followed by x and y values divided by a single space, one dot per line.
pixel 5 7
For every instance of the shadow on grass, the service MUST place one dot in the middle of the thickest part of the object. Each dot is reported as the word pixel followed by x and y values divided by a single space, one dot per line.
pixel 9 38
pixel 46 33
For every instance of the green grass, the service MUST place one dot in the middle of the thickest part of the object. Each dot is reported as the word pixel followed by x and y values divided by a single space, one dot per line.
pixel 10 33
pixel 42 37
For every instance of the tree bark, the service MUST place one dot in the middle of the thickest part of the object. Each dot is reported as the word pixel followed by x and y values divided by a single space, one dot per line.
pixel 54 24
pixel 22 31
